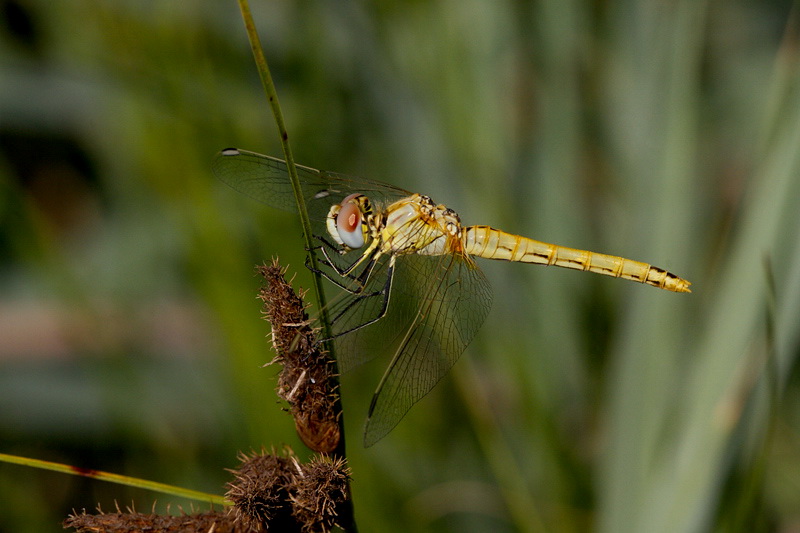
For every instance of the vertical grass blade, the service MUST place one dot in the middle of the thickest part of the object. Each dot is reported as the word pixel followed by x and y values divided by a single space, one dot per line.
pixel 272 97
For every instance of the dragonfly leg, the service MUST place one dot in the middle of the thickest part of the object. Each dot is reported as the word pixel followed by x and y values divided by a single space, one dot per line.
pixel 326 275
pixel 323 249
pixel 359 282
pixel 355 287
pixel 343 272
pixel 326 243
pixel 384 292
pixel 326 248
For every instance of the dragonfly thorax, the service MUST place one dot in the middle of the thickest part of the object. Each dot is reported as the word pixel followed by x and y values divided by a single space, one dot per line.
pixel 417 225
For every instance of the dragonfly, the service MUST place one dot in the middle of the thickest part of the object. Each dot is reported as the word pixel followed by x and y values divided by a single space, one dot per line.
pixel 406 272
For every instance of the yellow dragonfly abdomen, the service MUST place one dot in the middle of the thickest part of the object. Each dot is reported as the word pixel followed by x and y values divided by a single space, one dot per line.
pixel 490 243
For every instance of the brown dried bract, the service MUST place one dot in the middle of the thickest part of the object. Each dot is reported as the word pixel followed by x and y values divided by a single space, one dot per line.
pixel 280 494
pixel 260 493
pixel 308 380
pixel 119 522
pixel 320 490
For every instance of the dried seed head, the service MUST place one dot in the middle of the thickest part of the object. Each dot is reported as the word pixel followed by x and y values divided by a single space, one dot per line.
pixel 274 493
pixel 260 493
pixel 307 382
pixel 285 310
pixel 119 522
pixel 319 493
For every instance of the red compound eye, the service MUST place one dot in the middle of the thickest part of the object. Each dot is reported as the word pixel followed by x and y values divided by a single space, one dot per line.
pixel 349 218
pixel 348 223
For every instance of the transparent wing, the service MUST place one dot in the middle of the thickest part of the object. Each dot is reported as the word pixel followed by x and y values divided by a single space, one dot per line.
pixel 266 179
pixel 437 305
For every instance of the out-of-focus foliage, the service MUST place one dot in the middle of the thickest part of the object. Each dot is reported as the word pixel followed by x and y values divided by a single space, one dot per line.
pixel 669 132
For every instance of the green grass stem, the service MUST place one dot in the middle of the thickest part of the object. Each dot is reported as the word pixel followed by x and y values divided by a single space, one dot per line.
pixel 116 478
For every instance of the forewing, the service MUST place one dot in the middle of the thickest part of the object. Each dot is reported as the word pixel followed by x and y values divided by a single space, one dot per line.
pixel 266 179
pixel 442 302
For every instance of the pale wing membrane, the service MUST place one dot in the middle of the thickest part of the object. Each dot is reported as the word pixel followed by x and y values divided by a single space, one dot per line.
pixel 266 179
pixel 439 303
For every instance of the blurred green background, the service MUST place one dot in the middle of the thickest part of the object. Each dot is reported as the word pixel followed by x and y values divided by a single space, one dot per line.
pixel 668 132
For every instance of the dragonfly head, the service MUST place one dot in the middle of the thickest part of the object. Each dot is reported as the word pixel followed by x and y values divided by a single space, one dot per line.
pixel 347 221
